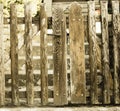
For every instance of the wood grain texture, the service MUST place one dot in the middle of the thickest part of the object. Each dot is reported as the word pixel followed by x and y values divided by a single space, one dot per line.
pixel 14 54
pixel 48 7
pixel 63 64
pixel 29 55
pixel 105 53
pixel 115 7
pixel 56 25
pixel 118 42
pixel 77 54
pixel 2 74
pixel 60 75
pixel 92 52
pixel 43 55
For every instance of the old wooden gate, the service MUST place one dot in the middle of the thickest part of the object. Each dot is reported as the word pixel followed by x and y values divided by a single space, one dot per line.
pixel 60 59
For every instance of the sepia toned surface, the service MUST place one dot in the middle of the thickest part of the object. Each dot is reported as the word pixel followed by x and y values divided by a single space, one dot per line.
pixel 42 85
pixel 76 28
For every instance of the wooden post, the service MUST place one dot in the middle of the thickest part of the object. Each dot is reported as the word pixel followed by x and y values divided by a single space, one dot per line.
pixel 92 52
pixel 60 75
pixel 118 42
pixel 14 54
pixel 105 53
pixel 29 55
pixel 56 25
pixel 43 55
pixel 115 7
pixel 48 7
pixel 2 76
pixel 77 55
pixel 63 64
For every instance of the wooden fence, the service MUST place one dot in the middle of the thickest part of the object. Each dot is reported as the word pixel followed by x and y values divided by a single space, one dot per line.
pixel 70 65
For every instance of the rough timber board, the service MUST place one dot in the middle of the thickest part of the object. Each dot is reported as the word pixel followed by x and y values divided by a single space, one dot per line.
pixel 63 76
pixel 57 17
pixel 105 54
pixel 115 7
pixel 14 54
pixel 43 55
pixel 48 7
pixel 92 53
pixel 76 27
pixel 29 55
pixel 60 75
pixel 2 77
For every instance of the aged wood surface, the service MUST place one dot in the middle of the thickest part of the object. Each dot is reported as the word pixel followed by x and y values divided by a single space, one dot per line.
pixel 105 53
pixel 92 52
pixel 43 55
pixel 60 89
pixel 77 54
pixel 2 74
pixel 14 54
pixel 118 42
pixel 47 92
pixel 115 7
pixel 56 25
pixel 29 55
pixel 63 65
pixel 48 7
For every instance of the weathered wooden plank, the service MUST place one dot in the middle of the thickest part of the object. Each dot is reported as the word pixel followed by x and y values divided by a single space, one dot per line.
pixel 115 7
pixel 48 7
pixel 105 54
pixel 2 76
pixel 63 70
pixel 77 52
pixel 14 54
pixel 43 55
pixel 92 52
pixel 29 55
pixel 56 26
pixel 60 75
pixel 118 42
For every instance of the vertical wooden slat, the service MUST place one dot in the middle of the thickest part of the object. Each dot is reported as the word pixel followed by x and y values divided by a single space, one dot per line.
pixel 56 25
pixel 92 52
pixel 29 55
pixel 43 55
pixel 63 64
pixel 60 91
pixel 14 54
pixel 115 7
pixel 77 52
pixel 48 7
pixel 118 42
pixel 105 53
pixel 2 76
